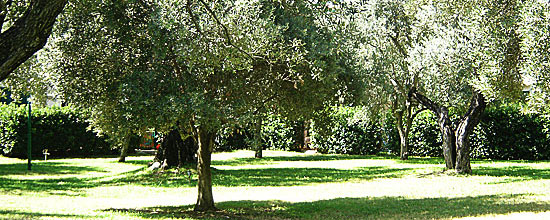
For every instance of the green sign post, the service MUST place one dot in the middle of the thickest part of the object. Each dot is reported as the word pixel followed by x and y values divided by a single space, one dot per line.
pixel 29 146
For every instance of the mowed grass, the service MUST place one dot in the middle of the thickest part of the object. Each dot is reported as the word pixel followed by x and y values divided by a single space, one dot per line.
pixel 283 185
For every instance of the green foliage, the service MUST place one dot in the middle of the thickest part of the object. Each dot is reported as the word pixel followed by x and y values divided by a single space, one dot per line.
pixel 281 134
pixel 233 139
pixel 61 130
pixel 507 133
pixel 277 134
pixel 425 137
pixel 349 134
pixel 504 132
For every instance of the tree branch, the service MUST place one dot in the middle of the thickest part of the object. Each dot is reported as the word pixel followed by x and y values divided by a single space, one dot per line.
pixel 224 29
pixel 28 34
pixel 418 112
pixel 193 18
pixel 398 45
pixel 425 101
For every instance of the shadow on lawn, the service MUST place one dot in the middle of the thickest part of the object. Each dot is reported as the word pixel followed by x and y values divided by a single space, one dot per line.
pixel 305 157
pixel 267 177
pixel 46 168
pixel 14 214
pixel 241 177
pixel 353 208
pixel 71 186
pixel 522 172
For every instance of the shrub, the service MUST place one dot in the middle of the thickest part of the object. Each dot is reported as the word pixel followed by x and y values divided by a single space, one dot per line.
pixel 281 134
pixel 424 137
pixel 61 130
pixel 349 134
pixel 233 139
pixel 277 134
pixel 504 132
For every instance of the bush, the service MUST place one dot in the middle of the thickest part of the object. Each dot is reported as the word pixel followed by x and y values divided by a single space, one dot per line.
pixel 424 137
pixel 349 135
pixel 233 139
pixel 507 133
pixel 281 134
pixel 504 132
pixel 277 134
pixel 61 130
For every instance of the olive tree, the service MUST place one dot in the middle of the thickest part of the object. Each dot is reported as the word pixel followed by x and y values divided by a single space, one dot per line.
pixel 473 59
pixel 199 66
pixel 535 27
pixel 392 32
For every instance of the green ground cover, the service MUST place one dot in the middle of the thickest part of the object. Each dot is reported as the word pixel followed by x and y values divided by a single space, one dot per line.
pixel 283 185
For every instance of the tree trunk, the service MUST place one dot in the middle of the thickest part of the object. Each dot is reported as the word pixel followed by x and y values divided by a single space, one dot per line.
pixel 463 131
pixel 174 151
pixel 403 136
pixel 258 139
pixel 447 136
pixel 125 147
pixel 205 200
pixel 28 34
pixel 445 126
pixel 456 146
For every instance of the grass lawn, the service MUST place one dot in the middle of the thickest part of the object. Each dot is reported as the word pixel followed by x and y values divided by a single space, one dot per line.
pixel 283 185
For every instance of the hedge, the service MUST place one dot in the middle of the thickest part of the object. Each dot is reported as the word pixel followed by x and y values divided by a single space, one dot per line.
pixel 347 135
pixel 61 130
pixel 504 132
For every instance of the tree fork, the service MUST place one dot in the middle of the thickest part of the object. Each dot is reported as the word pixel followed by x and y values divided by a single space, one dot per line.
pixel 464 129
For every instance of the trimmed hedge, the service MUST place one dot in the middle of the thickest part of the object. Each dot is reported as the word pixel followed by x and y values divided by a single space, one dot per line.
pixel 61 130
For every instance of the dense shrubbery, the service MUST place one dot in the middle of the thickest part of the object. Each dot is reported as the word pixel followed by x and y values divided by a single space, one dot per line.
pixel 506 133
pixel 233 139
pixel 348 134
pixel 61 130
pixel 425 137
pixel 503 133
pixel 281 134
pixel 277 134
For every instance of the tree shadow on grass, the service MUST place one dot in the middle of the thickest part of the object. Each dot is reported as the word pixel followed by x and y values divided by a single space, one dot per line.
pixel 522 172
pixel 300 176
pixel 71 186
pixel 314 157
pixel 354 208
pixel 46 168
pixel 15 214
pixel 267 177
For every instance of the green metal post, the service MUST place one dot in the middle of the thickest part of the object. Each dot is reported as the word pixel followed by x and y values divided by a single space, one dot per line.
pixel 29 146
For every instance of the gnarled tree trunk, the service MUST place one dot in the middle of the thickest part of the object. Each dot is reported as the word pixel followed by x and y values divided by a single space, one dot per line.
pixel 205 200
pixel 447 136
pixel 456 146
pixel 464 129
pixel 28 34
pixel 174 151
